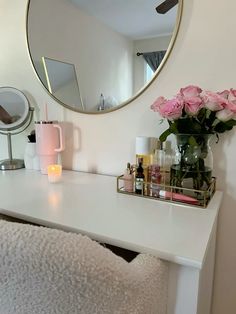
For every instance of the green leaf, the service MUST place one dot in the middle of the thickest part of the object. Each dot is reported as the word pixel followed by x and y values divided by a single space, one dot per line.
pixel 231 123
pixel 173 127
pixel 192 141
pixel 188 125
pixel 201 115
pixel 222 127
pixel 164 135
pixel 208 113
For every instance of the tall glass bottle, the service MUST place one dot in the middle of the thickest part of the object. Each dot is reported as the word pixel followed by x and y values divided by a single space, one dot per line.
pixel 143 151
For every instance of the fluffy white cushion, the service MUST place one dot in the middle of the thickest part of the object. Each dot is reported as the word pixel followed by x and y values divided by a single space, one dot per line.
pixel 47 271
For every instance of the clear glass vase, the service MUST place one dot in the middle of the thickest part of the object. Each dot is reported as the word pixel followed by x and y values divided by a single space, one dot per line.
pixel 193 162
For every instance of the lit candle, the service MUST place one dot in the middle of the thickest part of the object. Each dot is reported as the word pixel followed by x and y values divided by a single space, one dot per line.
pixel 54 173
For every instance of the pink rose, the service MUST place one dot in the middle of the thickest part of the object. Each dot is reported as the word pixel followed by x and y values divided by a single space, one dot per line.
pixel 158 103
pixel 190 96
pixel 225 115
pixel 224 94
pixel 172 109
pixel 190 91
pixel 214 101
pixel 232 96
pixel 231 106
pixel 192 105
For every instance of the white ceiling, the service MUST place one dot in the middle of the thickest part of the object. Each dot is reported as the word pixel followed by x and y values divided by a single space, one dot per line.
pixel 136 19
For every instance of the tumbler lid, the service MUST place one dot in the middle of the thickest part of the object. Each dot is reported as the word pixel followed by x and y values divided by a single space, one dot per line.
pixel 45 122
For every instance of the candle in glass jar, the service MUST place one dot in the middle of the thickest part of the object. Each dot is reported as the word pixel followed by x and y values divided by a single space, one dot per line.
pixel 54 173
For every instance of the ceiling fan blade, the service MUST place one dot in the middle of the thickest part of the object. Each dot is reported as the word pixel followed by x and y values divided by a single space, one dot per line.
pixel 166 6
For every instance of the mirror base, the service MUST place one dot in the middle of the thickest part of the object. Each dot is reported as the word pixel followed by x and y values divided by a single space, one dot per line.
pixel 13 164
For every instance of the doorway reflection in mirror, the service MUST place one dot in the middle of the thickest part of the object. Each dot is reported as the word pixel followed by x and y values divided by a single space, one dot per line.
pixel 62 81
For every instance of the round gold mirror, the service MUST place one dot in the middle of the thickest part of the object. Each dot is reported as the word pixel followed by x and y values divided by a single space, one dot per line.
pixel 93 56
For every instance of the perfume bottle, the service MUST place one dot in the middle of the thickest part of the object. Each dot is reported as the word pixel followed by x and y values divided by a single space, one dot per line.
pixel 143 151
pixel 166 157
pixel 154 180
pixel 139 177
pixel 101 105
pixel 154 171
pixel 128 179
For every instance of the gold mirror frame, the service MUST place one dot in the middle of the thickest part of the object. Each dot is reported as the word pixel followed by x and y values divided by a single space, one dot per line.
pixel 140 92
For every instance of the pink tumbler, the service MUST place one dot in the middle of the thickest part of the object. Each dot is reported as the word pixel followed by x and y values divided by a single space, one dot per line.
pixel 49 142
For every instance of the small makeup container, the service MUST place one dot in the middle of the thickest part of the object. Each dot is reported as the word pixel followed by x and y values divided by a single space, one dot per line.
pixel 54 173
pixel 143 149
pixel 128 179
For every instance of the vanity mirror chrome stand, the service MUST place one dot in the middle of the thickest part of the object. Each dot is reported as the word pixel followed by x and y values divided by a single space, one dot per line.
pixel 15 114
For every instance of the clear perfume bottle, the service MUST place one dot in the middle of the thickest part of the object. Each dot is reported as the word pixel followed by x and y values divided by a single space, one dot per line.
pixel 128 179
pixel 165 157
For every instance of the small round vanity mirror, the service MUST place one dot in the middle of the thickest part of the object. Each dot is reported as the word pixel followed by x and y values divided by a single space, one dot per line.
pixel 14 113
pixel 97 56
pixel 14 108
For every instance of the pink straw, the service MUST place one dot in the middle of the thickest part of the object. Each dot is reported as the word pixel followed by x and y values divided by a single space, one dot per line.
pixel 46 112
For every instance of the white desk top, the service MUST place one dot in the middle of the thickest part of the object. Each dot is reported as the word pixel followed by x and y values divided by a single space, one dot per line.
pixel 89 203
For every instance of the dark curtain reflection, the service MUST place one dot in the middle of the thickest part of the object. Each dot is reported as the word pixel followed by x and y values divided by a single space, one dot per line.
pixel 154 58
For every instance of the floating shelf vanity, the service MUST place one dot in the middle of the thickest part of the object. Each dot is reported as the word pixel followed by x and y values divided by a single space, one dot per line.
pixel 89 204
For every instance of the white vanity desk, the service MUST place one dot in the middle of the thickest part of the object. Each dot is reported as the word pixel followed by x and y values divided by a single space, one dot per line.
pixel 89 204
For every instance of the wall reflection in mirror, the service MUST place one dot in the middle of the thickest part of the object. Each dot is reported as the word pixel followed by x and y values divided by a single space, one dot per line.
pixel 95 57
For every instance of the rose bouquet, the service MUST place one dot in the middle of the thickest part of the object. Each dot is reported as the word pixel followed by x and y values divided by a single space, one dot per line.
pixel 195 111
pixel 193 116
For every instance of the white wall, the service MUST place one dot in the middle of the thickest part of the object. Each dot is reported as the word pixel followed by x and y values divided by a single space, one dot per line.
pixel 204 54
pixel 56 19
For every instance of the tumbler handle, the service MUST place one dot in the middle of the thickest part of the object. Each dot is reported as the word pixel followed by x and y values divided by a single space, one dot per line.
pixel 61 139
